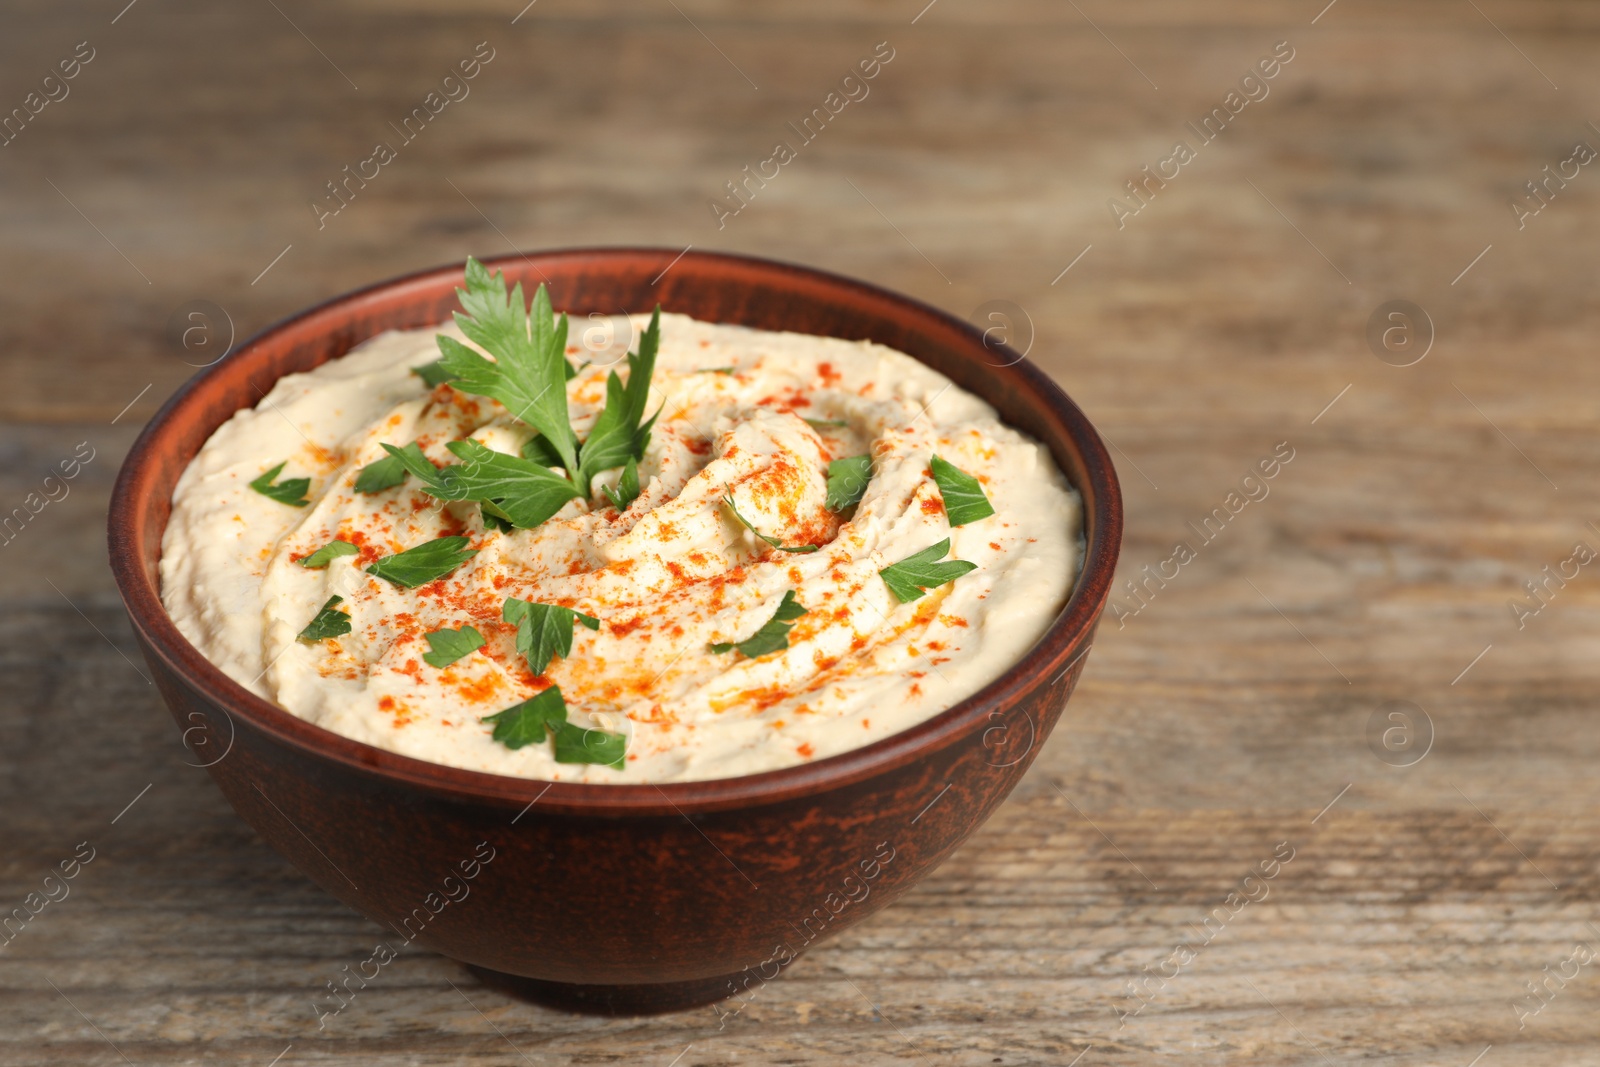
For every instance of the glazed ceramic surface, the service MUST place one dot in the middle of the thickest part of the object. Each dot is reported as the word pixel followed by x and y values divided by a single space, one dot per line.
pixel 618 897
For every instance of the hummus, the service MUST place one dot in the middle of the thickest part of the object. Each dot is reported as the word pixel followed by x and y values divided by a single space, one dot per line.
pixel 749 422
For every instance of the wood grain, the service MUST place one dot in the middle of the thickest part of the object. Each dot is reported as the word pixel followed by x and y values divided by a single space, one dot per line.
pixel 1218 722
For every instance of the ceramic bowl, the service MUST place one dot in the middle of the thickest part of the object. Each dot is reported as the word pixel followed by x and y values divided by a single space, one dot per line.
pixel 619 898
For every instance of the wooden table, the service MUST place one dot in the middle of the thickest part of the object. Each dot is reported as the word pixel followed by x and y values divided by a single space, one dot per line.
pixel 1238 715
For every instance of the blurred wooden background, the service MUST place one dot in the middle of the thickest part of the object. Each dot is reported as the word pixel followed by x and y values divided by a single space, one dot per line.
pixel 1225 717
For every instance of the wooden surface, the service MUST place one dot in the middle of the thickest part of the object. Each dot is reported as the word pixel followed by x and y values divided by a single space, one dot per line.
pixel 1221 720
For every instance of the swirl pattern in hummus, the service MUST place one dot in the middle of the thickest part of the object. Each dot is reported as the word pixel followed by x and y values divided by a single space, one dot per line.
pixel 667 578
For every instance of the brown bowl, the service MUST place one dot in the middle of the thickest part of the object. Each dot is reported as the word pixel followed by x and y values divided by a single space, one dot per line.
pixel 622 898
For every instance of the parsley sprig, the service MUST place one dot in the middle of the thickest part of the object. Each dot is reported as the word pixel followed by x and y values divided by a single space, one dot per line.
pixel 543 630
pixel 775 542
pixel 774 633
pixel 916 574
pixel 519 491
pixel 291 491
pixel 529 371
pixel 538 449
pixel 528 723
pixel 627 490
pixel 620 433
pixel 432 374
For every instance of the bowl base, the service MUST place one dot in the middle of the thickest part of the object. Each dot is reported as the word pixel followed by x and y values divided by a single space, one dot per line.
pixel 654 998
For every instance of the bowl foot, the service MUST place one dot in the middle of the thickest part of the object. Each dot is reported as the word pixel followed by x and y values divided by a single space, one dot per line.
pixel 653 998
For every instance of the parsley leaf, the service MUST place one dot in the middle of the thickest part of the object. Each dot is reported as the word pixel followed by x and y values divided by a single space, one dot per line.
pixel 627 490
pixel 847 481
pixel 329 622
pixel 433 374
pixel 447 646
pixel 523 492
pixel 618 435
pixel 291 491
pixel 915 574
pixel 964 499
pixel 388 472
pixel 574 744
pixel 491 521
pixel 774 633
pixel 543 630
pixel 773 541
pixel 518 491
pixel 419 466
pixel 530 369
pixel 528 722
pixel 524 723
pixel 328 553
pixel 423 563
pixel 541 452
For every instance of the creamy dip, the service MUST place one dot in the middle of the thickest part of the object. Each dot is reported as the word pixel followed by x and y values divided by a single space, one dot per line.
pixel 667 578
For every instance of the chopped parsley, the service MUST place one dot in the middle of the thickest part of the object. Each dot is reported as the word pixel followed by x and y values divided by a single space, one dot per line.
pixel 447 646
pixel 543 630
pixel 718 370
pixel 773 541
pixel 388 472
pixel 291 491
pixel 433 374
pixel 328 553
pixel 774 633
pixel 423 563
pixel 527 723
pixel 627 490
pixel 964 499
pixel 825 424
pixel 916 574
pixel 530 368
pixel 522 492
pixel 847 481
pixel 329 622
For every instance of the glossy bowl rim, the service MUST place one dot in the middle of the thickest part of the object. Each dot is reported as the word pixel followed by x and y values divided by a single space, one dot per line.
pixel 1061 645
